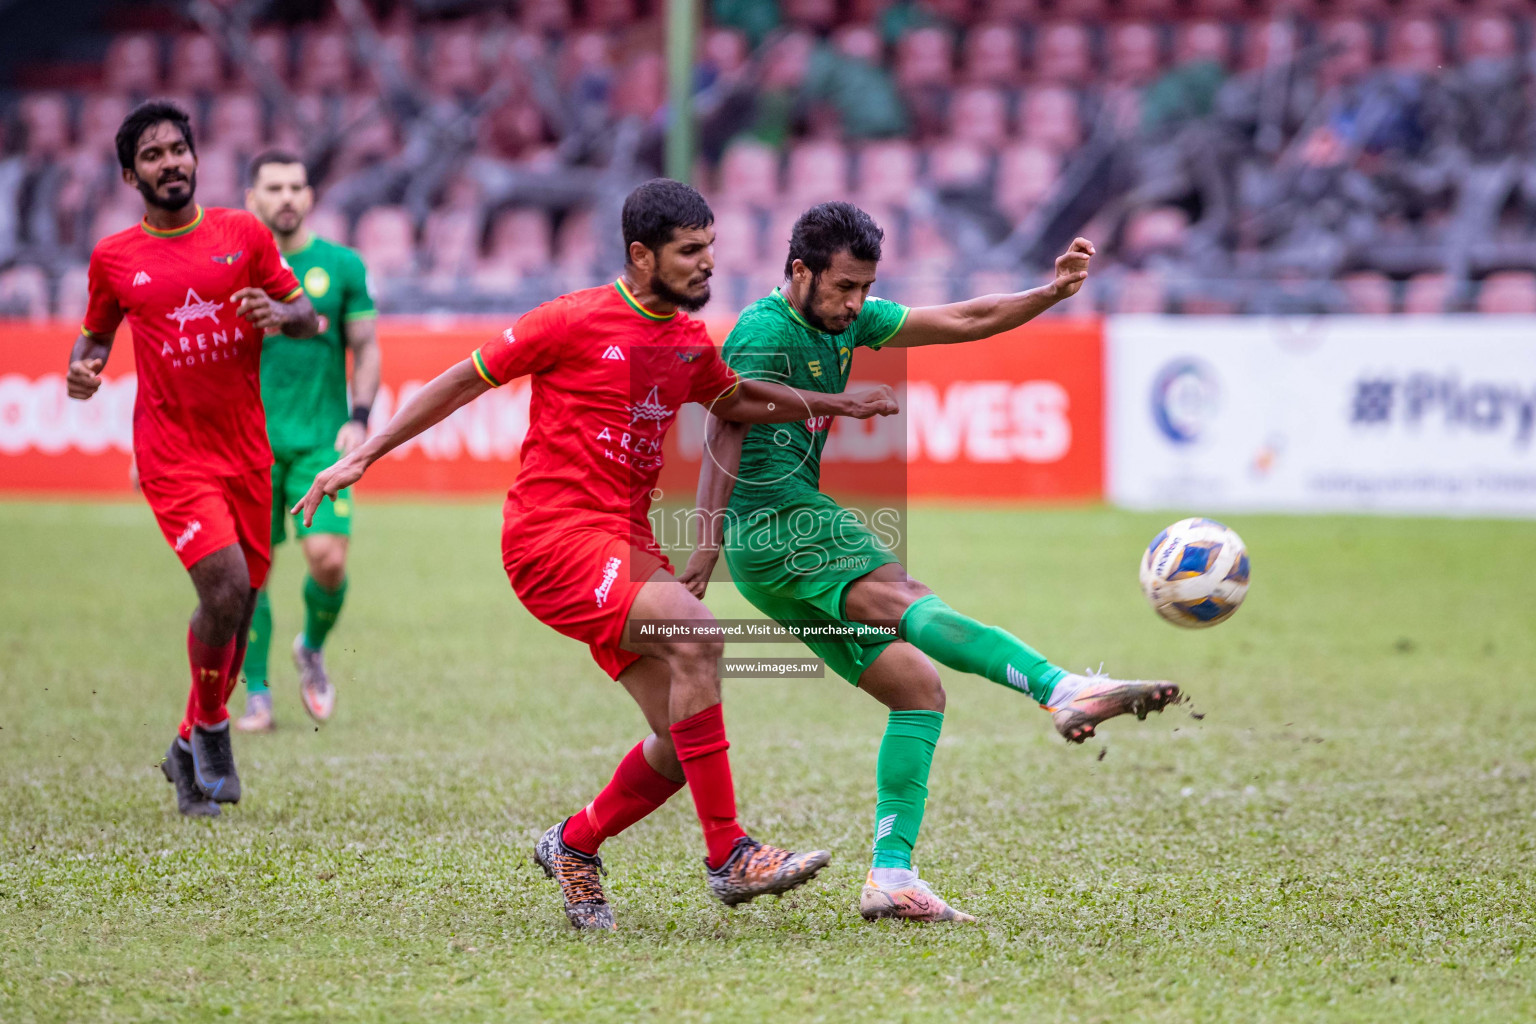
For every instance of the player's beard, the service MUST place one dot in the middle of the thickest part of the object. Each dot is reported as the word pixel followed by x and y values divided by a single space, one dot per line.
pixel 152 196
pixel 687 303
pixel 814 319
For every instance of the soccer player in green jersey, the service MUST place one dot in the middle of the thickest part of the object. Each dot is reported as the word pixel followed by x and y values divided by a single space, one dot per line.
pixel 799 556
pixel 304 387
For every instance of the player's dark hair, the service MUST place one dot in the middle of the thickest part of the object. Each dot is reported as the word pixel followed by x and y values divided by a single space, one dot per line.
pixel 827 229
pixel 275 156
pixel 660 207
pixel 144 117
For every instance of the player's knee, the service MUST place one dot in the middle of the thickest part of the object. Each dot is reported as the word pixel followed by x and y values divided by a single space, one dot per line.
pixel 329 570
pixel 692 659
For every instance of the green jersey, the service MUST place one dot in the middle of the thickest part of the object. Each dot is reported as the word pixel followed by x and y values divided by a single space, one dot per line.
pixel 782 462
pixel 304 380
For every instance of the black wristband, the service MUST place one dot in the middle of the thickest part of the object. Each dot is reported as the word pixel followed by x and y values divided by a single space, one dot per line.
pixel 360 414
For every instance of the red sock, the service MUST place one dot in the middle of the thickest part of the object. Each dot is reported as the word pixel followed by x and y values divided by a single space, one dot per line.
pixel 636 790
pixel 210 669
pixel 701 745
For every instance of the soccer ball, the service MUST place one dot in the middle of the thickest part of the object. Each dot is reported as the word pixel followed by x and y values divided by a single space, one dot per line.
pixel 1195 573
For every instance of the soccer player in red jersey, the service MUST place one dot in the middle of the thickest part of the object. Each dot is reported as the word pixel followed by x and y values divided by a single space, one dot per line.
pixel 611 365
pixel 199 288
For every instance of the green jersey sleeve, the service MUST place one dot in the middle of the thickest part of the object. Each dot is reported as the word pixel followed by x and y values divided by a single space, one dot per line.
pixel 755 349
pixel 878 322
pixel 356 302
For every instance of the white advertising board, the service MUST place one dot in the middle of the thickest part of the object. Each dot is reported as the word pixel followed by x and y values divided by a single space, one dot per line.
pixel 1430 415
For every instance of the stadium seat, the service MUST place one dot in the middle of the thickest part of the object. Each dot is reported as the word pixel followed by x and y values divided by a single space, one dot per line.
pixel 749 173
pixel 1367 292
pixel 642 87
pixel 270 48
pixel 1049 117
pixel 122 209
pixel 523 238
pixel 72 293
pixel 544 16
pixel 328 224
pixel 925 60
pixel 1025 176
pixel 1350 52
pixel 737 243
pixel 992 55
pixel 1202 41
pixel 1133 54
pixel 325 62
pixel 386 241
pixel 197 65
pixel 816 16
pixel 957 165
pixel 1486 37
pixel 979 115
pixel 725 50
pixel 1138 291
pixel 455 64
pixel 451 240
pixel 1268 43
pixel 887 173
pixel 817 172
pixel 24 293
pixel 235 120
pixel 608 15
pixel 45 116
pixel 576 244
pixel 859 42
pixel 1155 231
pixel 1415 45
pixel 1222 10
pixel 220 176
pixel 1427 293
pixel 1012 11
pixel 1508 291
pixel 100 115
pixel 132 65
pixel 1062 55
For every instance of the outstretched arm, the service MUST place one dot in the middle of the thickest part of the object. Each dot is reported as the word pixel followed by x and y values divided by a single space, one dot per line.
pixel 763 401
pixel 456 386
pixel 987 315
pixel 717 479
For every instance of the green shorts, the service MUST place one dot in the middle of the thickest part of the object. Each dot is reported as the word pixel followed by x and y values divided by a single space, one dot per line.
pixel 293 471
pixel 795 562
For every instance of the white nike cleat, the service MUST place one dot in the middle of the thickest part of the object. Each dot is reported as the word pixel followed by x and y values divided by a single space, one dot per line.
pixel 909 900
pixel 1080 703
pixel 315 688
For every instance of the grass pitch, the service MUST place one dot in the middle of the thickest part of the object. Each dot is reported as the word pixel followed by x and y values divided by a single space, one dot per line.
pixel 1346 835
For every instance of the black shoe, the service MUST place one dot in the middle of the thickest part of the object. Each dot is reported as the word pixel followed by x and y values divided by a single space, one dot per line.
pixel 177 767
pixel 213 764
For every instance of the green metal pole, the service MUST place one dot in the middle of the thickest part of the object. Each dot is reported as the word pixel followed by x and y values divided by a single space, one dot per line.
pixel 682 19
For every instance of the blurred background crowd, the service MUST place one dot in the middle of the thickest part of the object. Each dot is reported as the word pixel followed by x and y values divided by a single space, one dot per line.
pixel 1229 156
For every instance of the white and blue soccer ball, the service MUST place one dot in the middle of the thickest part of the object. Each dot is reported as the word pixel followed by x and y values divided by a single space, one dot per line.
pixel 1195 573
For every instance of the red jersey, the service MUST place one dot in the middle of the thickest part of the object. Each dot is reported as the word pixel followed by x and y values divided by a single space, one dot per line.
pixel 608 378
pixel 199 390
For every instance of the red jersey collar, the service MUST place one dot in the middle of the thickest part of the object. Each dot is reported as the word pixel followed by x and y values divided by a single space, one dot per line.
pixel 174 232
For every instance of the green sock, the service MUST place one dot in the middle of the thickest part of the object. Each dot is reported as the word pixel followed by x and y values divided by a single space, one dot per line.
pixel 901 784
pixel 256 648
pixel 963 644
pixel 321 610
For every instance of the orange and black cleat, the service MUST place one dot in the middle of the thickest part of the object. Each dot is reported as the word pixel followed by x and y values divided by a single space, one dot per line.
pixel 578 875
pixel 755 869
pixel 1080 703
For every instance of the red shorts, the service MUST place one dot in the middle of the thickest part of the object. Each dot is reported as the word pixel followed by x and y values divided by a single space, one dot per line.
pixel 580 579
pixel 201 514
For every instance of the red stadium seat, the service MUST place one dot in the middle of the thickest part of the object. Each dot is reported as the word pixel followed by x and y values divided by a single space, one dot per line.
pixel 1049 117
pixel 642 88
pixel 979 115
pixel 1156 230
pixel 197 64
pixel 45 116
pixel 738 247
pixel 132 65
pixel 1139 291
pixel 576 244
pixel 325 62
pixel 72 293
pixel 1367 292
pixel 220 176
pixel 608 15
pixel 523 238
pixel 1351 53
pixel 992 55
pixel 1486 37
pixel 1025 176
pixel 270 48
pixel 887 173
pixel 1062 55
pixel 1134 54
pixel 1013 11
pixel 817 172
pixel 1268 43
pixel 925 59
pixel 725 50
pixel 235 120
pixel 544 16
pixel 1427 293
pixel 328 224
pixel 749 173
pixel 1508 291
pixel 1085 11
pixel 455 64
pixel 1415 44
pixel 452 241
pixel 1202 41
pixel 957 165
pixel 860 42
pixel 812 15
pixel 24 293
pixel 386 241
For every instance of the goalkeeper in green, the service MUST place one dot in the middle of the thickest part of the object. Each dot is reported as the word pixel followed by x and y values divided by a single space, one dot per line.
pixel 309 420
pixel 800 557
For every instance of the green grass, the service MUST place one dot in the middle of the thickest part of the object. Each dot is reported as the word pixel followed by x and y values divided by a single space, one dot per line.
pixel 1346 835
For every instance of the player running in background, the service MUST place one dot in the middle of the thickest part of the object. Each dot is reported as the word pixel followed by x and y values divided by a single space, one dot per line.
pixel 304 388
pixel 611 366
pixel 797 555
pixel 198 288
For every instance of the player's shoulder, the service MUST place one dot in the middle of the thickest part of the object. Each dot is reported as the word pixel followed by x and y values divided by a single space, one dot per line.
pixel 335 251
pixel 239 220
pixel 766 316
pixel 117 242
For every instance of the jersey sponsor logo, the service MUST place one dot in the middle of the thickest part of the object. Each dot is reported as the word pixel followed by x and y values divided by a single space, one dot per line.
pixel 610 573
pixel 819 424
pixel 614 353
pixel 815 367
pixel 229 258
pixel 650 409
pixel 140 278
pixel 194 307
pixel 317 282
pixel 688 357
pixel 185 537
pixel 843 357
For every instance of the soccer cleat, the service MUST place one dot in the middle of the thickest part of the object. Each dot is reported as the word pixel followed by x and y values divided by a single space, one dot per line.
pixel 577 873
pixel 315 688
pixel 258 714
pixel 755 869
pixel 1079 703
pixel 910 901
pixel 213 765
pixel 177 768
